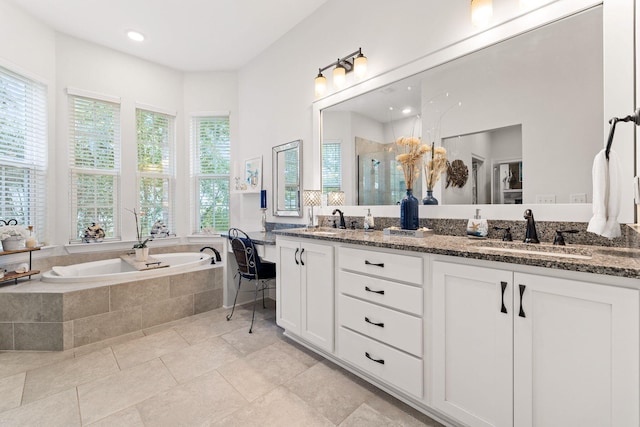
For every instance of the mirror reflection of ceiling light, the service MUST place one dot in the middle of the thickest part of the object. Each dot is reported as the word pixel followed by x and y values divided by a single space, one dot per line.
pixel 135 36
pixel 406 110
pixel 481 12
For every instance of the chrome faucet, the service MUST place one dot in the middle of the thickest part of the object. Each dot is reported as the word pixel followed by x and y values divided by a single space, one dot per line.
pixel 342 223
pixel 531 235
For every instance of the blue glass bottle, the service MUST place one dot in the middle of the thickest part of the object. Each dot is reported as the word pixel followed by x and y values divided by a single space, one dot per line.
pixel 409 216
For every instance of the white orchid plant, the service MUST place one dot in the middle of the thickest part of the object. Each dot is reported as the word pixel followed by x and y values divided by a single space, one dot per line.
pixel 141 244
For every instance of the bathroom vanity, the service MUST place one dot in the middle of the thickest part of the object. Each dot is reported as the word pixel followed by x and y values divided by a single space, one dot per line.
pixel 479 333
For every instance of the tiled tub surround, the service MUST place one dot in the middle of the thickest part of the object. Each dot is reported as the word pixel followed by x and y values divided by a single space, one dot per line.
pixel 41 316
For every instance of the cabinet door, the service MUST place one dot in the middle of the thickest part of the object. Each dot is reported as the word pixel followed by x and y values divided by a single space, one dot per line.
pixel 472 366
pixel 318 294
pixel 576 353
pixel 288 285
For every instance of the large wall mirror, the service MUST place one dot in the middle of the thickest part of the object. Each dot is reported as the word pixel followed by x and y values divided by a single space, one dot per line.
pixel 522 119
pixel 505 114
pixel 287 179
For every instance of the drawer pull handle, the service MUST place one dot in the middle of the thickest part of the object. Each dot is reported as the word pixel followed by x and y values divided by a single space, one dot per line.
pixel 522 288
pixel 368 289
pixel 301 252
pixel 295 256
pixel 504 287
pixel 380 361
pixel 379 264
pixel 381 324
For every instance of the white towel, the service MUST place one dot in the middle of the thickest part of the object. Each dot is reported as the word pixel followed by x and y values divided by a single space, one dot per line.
pixel 606 195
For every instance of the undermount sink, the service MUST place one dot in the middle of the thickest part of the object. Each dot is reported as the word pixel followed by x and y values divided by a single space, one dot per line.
pixel 320 232
pixel 534 249
pixel 324 233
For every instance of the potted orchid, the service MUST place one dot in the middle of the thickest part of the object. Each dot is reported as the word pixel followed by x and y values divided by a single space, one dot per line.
pixel 142 251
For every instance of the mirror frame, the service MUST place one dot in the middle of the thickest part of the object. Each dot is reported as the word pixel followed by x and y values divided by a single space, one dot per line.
pixel 619 94
pixel 293 145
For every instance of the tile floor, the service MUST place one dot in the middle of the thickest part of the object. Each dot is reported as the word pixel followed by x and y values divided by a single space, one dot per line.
pixel 199 371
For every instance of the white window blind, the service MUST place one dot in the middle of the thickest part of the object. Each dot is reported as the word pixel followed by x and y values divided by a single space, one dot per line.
pixel 211 159
pixel 23 151
pixel 94 162
pixel 331 167
pixel 156 176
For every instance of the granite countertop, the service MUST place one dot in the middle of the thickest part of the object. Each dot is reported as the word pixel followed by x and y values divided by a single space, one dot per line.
pixel 621 262
pixel 258 237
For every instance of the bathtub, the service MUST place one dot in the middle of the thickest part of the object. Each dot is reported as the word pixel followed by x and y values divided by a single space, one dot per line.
pixel 111 270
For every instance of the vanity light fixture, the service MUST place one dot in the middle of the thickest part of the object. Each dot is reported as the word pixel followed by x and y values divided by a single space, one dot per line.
pixel 355 62
pixel 481 12
pixel 312 198
pixel 135 36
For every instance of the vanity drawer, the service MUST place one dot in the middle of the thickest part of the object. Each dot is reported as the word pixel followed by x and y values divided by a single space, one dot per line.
pixel 391 294
pixel 383 264
pixel 383 324
pixel 390 365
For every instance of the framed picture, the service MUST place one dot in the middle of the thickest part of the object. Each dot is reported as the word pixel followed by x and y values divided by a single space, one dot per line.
pixel 253 175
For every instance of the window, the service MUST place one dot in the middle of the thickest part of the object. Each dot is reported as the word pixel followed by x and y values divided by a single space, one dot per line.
pixel 155 134
pixel 94 164
pixel 331 167
pixel 23 150
pixel 211 164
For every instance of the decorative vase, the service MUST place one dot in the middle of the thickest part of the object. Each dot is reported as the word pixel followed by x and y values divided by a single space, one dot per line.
pixel 429 199
pixel 142 254
pixel 409 216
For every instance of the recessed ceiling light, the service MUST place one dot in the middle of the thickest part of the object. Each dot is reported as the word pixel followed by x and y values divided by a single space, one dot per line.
pixel 406 110
pixel 135 36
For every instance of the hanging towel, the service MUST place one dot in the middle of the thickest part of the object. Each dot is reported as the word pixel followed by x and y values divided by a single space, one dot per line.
pixel 606 195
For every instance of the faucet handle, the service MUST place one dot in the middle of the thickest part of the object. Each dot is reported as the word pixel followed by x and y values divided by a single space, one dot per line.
pixel 353 224
pixel 559 239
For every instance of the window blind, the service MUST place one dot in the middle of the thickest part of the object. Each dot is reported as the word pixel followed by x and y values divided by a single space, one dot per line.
pixel 23 151
pixel 94 164
pixel 331 167
pixel 156 176
pixel 211 160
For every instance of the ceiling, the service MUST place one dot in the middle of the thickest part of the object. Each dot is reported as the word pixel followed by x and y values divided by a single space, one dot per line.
pixel 188 35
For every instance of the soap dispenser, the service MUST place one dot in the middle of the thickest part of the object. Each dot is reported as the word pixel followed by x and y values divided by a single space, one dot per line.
pixel 368 221
pixel 477 226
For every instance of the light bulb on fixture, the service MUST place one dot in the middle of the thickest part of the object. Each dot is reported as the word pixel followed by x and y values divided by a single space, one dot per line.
pixel 481 12
pixel 339 76
pixel 321 84
pixel 360 66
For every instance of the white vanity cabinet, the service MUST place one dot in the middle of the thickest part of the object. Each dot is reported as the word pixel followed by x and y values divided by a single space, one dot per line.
pixel 520 349
pixel 305 290
pixel 380 315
